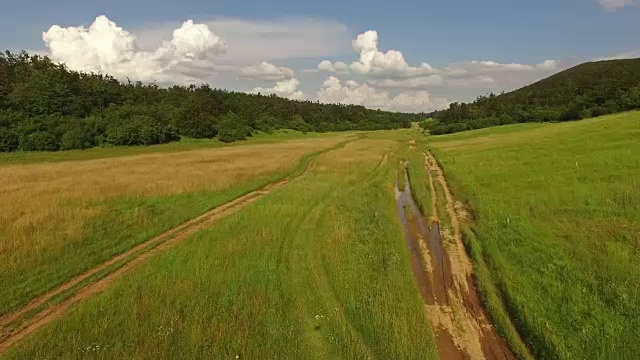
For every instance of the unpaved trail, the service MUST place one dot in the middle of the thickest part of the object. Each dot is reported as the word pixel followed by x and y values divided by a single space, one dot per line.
pixel 16 325
pixel 444 274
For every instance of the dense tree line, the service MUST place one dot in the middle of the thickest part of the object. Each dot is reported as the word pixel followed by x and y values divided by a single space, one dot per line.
pixel 587 90
pixel 45 106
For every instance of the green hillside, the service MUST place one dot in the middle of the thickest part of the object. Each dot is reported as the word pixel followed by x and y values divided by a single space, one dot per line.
pixel 587 90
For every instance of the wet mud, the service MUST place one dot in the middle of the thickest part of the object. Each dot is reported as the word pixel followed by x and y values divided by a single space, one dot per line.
pixel 443 274
pixel 433 273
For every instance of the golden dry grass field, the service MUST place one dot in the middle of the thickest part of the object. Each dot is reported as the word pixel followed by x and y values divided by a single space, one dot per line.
pixel 58 219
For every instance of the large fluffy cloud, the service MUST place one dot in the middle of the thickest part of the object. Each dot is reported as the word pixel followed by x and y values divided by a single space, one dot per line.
pixel 105 47
pixel 613 5
pixel 285 88
pixel 375 62
pixel 175 53
pixel 333 91
pixel 390 70
pixel 254 40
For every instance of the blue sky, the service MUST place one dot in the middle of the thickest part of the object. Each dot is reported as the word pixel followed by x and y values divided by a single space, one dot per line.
pixel 492 32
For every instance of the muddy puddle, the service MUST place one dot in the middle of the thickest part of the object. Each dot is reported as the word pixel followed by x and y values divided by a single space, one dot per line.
pixel 433 273
pixel 458 323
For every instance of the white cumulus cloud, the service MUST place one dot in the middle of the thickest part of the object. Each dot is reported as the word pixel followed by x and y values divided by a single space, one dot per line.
pixel 633 54
pixel 353 93
pixel 105 47
pixel 256 40
pixel 498 76
pixel 337 67
pixel 613 5
pixel 286 88
pixel 268 71
pixel 375 62
pixel 492 66
pixel 473 82
pixel 409 83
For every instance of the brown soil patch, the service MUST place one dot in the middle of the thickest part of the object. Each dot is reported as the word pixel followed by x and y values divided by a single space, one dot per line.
pixel 14 327
pixel 464 317
pixel 444 275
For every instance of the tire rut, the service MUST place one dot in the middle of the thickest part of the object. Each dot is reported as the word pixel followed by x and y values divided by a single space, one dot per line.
pixel 464 318
pixel 17 325
pixel 20 323
pixel 444 275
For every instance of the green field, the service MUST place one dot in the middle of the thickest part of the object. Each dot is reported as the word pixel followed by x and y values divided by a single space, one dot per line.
pixel 315 270
pixel 557 224
pixel 319 267
pixel 77 214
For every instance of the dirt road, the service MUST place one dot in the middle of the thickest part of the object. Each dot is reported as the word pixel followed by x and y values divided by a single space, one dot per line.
pixel 444 275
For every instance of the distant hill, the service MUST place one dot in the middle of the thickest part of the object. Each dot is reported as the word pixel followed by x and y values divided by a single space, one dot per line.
pixel 587 90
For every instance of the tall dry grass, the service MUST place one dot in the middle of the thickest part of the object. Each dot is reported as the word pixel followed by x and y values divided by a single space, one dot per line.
pixel 45 207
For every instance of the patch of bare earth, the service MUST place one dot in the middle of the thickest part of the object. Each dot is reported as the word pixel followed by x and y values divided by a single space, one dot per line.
pixel 461 325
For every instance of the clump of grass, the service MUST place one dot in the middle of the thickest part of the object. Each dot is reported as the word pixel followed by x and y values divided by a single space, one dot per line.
pixel 420 185
pixel 402 174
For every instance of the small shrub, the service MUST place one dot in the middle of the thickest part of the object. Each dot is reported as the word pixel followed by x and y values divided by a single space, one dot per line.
pixel 8 141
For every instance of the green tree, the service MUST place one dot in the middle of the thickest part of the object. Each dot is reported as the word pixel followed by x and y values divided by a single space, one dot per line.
pixel 77 138
pixel 8 140
pixel 79 110
pixel 232 128
pixel 39 141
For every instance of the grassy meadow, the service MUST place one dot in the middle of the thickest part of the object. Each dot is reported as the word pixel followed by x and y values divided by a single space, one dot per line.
pixel 30 157
pixel 317 269
pixel 58 219
pixel 557 230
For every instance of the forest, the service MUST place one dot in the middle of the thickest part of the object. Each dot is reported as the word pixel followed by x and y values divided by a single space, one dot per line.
pixel 587 90
pixel 44 106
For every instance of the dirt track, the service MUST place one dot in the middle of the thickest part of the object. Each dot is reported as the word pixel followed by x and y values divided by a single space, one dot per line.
pixel 444 275
pixel 18 324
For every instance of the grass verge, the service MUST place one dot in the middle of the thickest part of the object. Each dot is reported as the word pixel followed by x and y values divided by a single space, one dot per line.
pixel 557 230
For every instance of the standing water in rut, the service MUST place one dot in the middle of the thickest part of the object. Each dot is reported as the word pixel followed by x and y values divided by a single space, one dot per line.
pixel 436 272
pixel 459 325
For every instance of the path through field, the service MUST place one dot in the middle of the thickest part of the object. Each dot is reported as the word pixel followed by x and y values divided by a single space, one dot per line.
pixel 444 275
pixel 42 310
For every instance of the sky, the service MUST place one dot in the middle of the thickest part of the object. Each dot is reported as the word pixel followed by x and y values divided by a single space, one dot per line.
pixel 395 55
